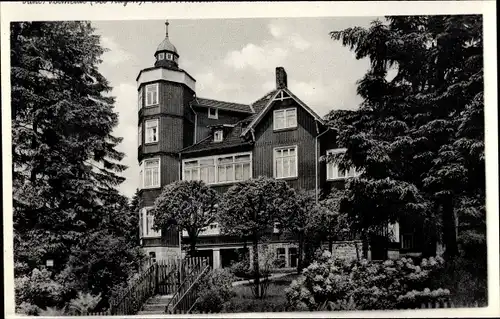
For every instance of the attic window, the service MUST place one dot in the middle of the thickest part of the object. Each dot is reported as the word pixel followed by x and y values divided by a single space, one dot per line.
pixel 213 113
pixel 218 136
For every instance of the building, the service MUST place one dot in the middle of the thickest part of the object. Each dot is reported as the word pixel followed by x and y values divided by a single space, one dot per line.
pixel 183 136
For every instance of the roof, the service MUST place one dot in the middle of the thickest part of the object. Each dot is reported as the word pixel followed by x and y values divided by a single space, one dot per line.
pixel 232 138
pixel 262 105
pixel 166 45
pixel 222 105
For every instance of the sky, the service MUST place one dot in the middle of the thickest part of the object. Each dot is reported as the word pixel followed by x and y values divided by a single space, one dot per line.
pixel 231 60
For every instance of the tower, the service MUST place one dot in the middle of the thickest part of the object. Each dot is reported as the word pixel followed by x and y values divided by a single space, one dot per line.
pixel 165 126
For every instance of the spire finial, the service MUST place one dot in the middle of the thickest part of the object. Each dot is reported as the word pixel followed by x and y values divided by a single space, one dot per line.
pixel 166 28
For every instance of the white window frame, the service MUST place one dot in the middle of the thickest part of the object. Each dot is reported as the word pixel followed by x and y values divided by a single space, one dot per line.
pixel 139 135
pixel 148 131
pixel 147 220
pixel 216 172
pixel 169 56
pixel 156 96
pixel 143 173
pixel 285 120
pixel 275 150
pixel 218 136
pixel 332 167
pixel 216 116
pixel 161 56
pixel 140 100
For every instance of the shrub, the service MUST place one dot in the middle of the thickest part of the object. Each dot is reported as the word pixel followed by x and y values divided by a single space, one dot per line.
pixel 38 289
pixel 25 308
pixel 365 285
pixel 252 305
pixel 83 304
pixel 214 289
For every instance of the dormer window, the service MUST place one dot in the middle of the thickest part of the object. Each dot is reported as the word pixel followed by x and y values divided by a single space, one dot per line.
pixel 161 56
pixel 213 113
pixel 218 136
pixel 170 56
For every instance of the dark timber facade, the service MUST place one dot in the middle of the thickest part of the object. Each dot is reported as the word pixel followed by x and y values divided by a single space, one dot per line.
pixel 183 136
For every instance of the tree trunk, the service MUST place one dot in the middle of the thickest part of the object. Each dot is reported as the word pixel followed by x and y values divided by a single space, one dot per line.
pixel 330 245
pixel 256 265
pixel 449 228
pixel 300 252
pixel 364 245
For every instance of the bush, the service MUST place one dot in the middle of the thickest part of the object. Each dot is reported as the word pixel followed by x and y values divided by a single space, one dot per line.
pixel 214 289
pixel 38 289
pixel 253 305
pixel 365 285
pixel 25 308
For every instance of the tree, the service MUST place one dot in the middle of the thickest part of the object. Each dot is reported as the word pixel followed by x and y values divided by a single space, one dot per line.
pixel 300 221
pixel 250 208
pixel 418 135
pixel 65 163
pixel 189 205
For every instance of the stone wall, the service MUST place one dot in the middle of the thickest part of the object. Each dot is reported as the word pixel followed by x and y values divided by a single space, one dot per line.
pixel 345 249
pixel 162 252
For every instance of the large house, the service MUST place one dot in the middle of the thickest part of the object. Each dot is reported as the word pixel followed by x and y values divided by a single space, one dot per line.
pixel 184 136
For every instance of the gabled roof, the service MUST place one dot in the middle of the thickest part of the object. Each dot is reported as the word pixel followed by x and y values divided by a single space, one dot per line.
pixel 222 105
pixel 263 105
pixel 232 138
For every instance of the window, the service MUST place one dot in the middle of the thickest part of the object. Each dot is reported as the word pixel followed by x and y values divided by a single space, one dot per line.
pixel 152 256
pixel 284 119
pixel 213 113
pixel 161 56
pixel 139 99
pixel 169 56
pixel 151 94
pixel 285 162
pixel 152 131
pixel 139 136
pixel 147 223
pixel 281 257
pixel 213 226
pixel 218 169
pixel 332 170
pixel 218 135
pixel 151 173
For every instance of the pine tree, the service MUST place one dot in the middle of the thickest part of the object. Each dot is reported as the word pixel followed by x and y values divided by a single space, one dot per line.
pixel 65 163
pixel 417 137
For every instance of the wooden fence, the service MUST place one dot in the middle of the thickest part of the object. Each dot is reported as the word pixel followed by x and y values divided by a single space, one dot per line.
pixel 185 297
pixel 449 304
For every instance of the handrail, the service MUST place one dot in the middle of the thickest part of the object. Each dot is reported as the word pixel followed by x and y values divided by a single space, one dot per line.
pixel 192 284
pixel 187 284
pixel 137 293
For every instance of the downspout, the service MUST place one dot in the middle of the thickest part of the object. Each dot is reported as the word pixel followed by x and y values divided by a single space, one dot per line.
pixel 316 162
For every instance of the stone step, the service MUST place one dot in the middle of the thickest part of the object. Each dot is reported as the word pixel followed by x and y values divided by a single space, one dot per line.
pixel 159 299
pixel 154 306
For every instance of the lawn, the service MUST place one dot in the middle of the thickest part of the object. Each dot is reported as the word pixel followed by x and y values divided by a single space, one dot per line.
pixel 275 299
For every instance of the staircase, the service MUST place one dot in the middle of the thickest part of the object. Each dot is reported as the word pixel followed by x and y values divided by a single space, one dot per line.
pixel 164 285
pixel 156 305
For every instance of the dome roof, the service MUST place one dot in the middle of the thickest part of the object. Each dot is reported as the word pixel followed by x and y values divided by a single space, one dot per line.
pixel 166 45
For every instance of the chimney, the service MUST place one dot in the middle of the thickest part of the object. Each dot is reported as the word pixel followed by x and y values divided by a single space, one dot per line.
pixel 281 81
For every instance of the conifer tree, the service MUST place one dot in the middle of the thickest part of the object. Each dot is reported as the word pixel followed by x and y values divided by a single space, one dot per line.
pixel 65 162
pixel 418 135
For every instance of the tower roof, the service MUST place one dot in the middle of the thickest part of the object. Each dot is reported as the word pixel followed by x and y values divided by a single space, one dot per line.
pixel 166 45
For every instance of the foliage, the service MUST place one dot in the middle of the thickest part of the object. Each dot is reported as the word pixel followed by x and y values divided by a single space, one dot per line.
pixel 215 288
pixel 418 136
pixel 250 208
pixel 83 304
pixel 25 308
pixel 65 165
pixel 38 289
pixel 189 205
pixel 365 285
